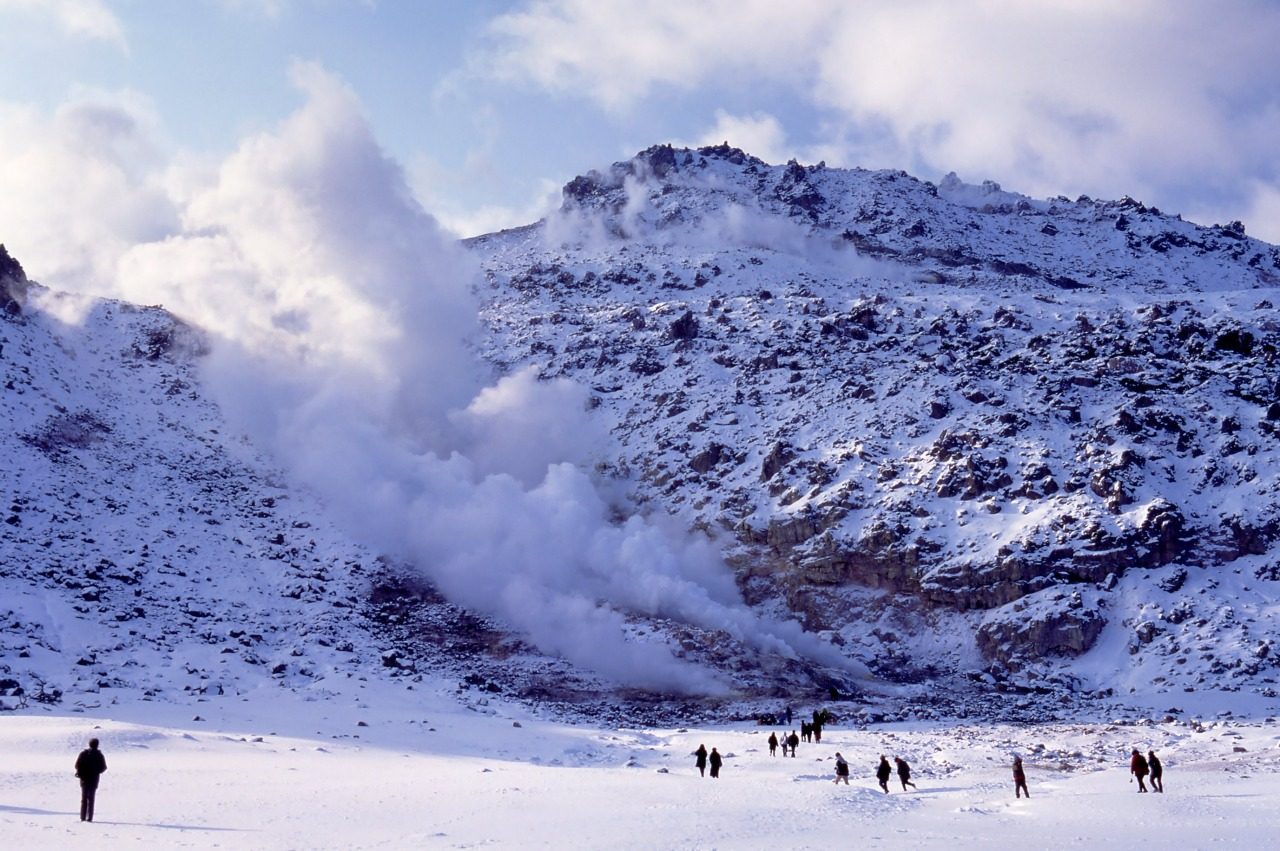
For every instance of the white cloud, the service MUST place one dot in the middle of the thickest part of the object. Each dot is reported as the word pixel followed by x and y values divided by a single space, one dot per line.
pixel 82 186
pixel 1264 213
pixel 439 189
pixel 618 50
pixel 759 133
pixel 87 19
pixel 1165 101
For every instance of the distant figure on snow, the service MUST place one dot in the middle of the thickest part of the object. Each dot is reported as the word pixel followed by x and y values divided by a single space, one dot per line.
pixel 89 767
pixel 842 769
pixel 1019 778
pixel 806 732
pixel 716 762
pixel 1157 772
pixel 700 760
pixel 793 740
pixel 773 745
pixel 904 773
pixel 788 716
pixel 1138 768
pixel 882 773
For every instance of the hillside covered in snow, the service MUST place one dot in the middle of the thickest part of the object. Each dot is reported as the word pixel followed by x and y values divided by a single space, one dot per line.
pixel 978 445
pixel 954 427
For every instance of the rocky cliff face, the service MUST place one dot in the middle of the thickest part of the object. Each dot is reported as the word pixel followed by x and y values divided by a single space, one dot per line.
pixel 966 399
pixel 13 284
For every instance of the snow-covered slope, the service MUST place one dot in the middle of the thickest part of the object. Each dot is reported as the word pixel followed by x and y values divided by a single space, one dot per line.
pixel 147 549
pixel 983 444
pixel 1061 417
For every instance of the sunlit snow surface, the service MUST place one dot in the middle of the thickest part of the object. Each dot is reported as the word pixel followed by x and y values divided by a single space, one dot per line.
pixel 294 770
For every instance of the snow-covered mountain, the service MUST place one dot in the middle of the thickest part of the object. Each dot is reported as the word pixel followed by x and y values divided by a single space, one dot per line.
pixel 901 402
pixel 982 443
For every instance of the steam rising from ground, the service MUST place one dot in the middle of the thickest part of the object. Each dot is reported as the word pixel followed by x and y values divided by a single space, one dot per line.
pixel 343 311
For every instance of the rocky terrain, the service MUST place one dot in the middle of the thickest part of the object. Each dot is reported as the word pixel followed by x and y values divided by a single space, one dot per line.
pixel 1010 454
pixel 1031 422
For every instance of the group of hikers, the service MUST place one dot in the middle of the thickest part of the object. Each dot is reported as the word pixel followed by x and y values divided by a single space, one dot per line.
pixel 91 764
pixel 1140 767
pixel 703 759
pixel 788 743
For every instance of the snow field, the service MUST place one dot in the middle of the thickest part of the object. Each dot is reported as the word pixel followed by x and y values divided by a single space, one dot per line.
pixel 438 775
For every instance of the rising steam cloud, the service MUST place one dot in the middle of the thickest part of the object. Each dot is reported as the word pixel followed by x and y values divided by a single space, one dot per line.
pixel 341 310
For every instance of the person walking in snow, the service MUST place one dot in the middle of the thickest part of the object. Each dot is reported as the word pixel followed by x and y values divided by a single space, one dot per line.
pixel 817 732
pixel 788 716
pixel 716 762
pixel 904 773
pixel 1157 772
pixel 773 745
pixel 90 765
pixel 793 740
pixel 700 760
pixel 806 734
pixel 842 769
pixel 882 773
pixel 1019 778
pixel 1138 768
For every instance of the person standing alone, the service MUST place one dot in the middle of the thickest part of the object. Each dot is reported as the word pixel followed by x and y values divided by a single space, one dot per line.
pixel 89 767
pixel 842 769
pixel 1019 778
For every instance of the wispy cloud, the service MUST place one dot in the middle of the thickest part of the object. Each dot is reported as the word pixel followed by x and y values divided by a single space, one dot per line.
pixel 87 19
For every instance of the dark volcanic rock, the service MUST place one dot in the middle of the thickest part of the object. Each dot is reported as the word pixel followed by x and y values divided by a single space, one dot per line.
pixel 1056 621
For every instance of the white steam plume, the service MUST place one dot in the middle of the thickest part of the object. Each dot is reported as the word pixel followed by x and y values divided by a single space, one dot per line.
pixel 343 309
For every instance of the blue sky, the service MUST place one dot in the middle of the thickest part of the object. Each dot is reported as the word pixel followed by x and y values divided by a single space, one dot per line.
pixel 489 107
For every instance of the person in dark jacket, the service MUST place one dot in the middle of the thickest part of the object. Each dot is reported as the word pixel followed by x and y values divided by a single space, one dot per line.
pixel 842 769
pixel 1019 778
pixel 773 745
pixel 793 740
pixel 1157 771
pixel 1138 768
pixel 904 773
pixel 700 760
pixel 90 765
pixel 882 773
pixel 716 762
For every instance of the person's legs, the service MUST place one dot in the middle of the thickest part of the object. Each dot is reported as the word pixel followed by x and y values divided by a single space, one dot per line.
pixel 87 807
